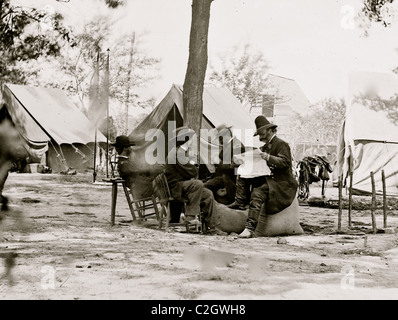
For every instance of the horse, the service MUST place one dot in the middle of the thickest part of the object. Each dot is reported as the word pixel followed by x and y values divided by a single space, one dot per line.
pixel 11 149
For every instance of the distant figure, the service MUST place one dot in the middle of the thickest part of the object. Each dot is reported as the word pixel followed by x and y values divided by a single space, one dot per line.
pixel 11 149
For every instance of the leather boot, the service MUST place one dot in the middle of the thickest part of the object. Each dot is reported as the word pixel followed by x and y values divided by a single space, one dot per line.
pixel 236 205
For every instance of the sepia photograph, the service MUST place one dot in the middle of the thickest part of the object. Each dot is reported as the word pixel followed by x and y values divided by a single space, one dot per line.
pixel 198 155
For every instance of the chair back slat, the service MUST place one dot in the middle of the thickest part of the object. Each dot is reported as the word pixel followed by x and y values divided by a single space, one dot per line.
pixel 161 188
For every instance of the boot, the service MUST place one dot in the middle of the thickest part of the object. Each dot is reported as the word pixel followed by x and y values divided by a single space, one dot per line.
pixel 192 220
pixel 216 232
pixel 237 206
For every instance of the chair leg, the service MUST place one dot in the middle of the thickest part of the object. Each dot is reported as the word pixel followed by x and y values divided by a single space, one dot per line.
pixel 139 207
pixel 203 224
pixel 113 205
pixel 161 215
pixel 167 216
pixel 155 207
pixel 126 192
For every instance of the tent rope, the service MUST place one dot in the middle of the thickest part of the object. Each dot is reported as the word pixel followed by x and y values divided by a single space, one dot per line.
pixel 60 156
pixel 77 150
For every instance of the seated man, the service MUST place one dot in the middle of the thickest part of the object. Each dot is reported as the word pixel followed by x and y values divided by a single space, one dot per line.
pixel 243 188
pixel 225 173
pixel 278 190
pixel 181 174
pixel 138 177
pixel 251 174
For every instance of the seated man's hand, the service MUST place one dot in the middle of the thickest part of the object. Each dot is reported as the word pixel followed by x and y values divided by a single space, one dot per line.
pixel 238 161
pixel 265 156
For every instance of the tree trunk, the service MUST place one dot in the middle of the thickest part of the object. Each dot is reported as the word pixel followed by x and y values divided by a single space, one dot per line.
pixel 197 64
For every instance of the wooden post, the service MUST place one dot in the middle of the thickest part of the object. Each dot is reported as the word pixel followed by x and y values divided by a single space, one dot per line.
pixel 340 202
pixel 373 206
pixel 113 204
pixel 383 179
pixel 350 201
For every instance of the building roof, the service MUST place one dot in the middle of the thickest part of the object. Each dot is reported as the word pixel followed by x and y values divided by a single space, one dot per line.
pixel 288 92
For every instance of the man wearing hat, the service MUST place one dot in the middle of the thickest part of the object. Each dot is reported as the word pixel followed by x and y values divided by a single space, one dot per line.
pixel 121 143
pixel 181 174
pixel 138 177
pixel 279 189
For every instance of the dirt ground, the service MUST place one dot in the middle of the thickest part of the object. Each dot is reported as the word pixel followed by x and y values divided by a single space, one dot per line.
pixel 59 227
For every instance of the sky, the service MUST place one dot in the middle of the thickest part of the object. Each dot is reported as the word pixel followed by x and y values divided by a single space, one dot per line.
pixel 316 43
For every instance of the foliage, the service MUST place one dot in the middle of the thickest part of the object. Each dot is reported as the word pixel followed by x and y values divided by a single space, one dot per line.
pixel 378 11
pixel 142 72
pixel 24 38
pixel 323 122
pixel 115 3
pixel 376 103
pixel 28 34
pixel 244 72
pixel 75 67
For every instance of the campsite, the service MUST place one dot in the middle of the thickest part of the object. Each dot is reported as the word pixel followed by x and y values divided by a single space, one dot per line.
pixel 205 150
pixel 67 249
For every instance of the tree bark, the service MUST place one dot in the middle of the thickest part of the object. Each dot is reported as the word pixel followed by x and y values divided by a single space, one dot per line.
pixel 197 64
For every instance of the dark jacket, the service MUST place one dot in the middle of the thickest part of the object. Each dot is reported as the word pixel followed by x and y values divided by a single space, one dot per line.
pixel 227 165
pixel 282 185
pixel 177 172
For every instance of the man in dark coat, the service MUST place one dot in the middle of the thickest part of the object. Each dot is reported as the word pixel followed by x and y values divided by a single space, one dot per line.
pixel 181 174
pixel 138 176
pixel 279 189
pixel 224 177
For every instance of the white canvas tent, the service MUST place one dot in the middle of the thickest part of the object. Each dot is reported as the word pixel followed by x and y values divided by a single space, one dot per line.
pixel 53 129
pixel 368 141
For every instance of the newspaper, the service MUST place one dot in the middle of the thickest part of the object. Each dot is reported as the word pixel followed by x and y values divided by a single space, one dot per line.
pixel 252 164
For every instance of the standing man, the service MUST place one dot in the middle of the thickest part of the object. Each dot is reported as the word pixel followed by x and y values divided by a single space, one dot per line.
pixel 181 174
pixel 280 188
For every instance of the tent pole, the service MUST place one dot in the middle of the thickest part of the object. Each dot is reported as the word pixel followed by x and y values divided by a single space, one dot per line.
pixel 350 200
pixel 107 113
pixel 95 155
pixel 383 179
pixel 373 205
pixel 340 203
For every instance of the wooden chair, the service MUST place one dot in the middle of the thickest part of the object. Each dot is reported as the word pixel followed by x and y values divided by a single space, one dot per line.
pixel 135 205
pixel 145 207
pixel 162 192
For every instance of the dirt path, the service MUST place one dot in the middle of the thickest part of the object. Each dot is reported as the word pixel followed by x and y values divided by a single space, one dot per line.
pixel 60 228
